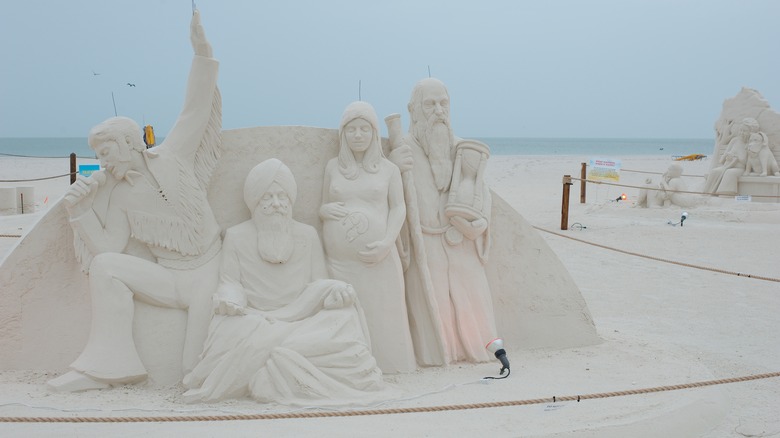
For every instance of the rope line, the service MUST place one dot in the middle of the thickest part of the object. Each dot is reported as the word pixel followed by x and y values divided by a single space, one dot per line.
pixel 38 179
pixel 657 173
pixel 659 259
pixel 41 156
pixel 658 189
pixel 388 411
pixel 10 235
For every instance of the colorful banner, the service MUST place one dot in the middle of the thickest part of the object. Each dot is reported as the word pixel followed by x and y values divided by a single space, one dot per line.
pixel 604 169
pixel 87 169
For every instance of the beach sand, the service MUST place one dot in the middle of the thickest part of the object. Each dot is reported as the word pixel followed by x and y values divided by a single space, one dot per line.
pixel 662 324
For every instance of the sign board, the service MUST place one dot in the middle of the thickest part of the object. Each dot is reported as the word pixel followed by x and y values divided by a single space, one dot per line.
pixel 604 169
pixel 743 198
pixel 87 169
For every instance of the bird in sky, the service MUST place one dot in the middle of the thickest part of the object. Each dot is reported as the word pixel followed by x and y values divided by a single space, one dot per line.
pixel 95 74
pixel 130 85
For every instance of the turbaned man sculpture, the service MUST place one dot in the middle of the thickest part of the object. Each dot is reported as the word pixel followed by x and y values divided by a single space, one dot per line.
pixel 283 331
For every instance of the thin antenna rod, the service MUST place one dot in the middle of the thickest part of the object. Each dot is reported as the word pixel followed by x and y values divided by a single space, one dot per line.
pixel 429 71
pixel 114 101
pixel 360 96
pixel 193 7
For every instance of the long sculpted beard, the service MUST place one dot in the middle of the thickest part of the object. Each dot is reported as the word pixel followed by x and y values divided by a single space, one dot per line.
pixel 275 241
pixel 436 139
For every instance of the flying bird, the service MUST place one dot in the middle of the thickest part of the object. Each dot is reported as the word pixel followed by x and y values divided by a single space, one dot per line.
pixel 130 85
pixel 95 74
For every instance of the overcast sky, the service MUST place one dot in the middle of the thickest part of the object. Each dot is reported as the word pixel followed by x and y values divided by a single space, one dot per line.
pixel 514 68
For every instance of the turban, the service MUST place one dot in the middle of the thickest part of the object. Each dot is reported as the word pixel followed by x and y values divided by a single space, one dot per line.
pixel 262 176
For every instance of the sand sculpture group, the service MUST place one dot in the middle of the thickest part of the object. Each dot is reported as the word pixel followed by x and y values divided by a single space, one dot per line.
pixel 745 157
pixel 301 265
pixel 398 279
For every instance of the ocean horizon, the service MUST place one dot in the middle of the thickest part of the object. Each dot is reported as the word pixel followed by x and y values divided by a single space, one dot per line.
pixel 55 147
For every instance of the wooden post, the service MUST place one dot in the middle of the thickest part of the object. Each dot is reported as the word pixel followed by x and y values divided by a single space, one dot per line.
pixel 22 198
pixel 565 202
pixel 583 177
pixel 72 167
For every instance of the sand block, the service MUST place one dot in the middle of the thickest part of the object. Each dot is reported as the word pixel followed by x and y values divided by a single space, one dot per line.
pixel 8 201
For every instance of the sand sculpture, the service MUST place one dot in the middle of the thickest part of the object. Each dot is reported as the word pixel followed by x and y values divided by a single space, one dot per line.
pixel 451 312
pixel 759 158
pixel 144 229
pixel 282 332
pixel 145 293
pixel 722 180
pixel 738 154
pixel 666 192
pixel 362 213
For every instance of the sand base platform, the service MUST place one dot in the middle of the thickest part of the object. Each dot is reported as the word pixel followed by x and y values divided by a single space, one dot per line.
pixel 619 364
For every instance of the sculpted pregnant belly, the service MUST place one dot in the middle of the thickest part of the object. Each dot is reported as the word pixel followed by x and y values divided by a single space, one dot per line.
pixel 346 236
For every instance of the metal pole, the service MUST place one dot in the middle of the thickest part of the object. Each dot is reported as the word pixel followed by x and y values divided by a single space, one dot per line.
pixel 565 202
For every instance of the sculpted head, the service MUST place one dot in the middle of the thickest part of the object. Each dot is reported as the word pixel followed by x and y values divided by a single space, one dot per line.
pixel 757 141
pixel 114 141
pixel 360 142
pixel 675 170
pixel 748 126
pixel 429 111
pixel 270 190
pixel 430 102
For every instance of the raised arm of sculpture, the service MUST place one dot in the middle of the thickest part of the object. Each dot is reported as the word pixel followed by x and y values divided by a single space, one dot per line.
pixel 198 128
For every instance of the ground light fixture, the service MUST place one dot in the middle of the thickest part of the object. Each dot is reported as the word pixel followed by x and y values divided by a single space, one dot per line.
pixel 496 346
pixel 683 216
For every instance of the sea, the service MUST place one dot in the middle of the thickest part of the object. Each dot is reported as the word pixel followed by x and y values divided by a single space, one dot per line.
pixel 595 147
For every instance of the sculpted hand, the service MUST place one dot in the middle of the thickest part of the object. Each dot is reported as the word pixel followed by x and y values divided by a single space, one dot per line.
pixel 333 211
pixel 402 157
pixel 340 297
pixel 375 252
pixel 472 229
pixel 200 44
pixel 227 308
pixel 81 193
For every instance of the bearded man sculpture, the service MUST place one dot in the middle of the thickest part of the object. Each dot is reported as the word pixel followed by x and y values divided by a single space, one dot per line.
pixel 283 332
pixel 450 305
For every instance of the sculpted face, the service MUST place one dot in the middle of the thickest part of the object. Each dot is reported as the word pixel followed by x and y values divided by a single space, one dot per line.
pixel 435 104
pixel 747 127
pixel 275 202
pixel 111 158
pixel 358 133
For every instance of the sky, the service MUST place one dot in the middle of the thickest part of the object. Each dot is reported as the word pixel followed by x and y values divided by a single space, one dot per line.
pixel 514 68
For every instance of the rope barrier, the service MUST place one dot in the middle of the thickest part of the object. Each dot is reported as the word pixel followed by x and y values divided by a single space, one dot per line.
pixel 10 235
pixel 389 411
pixel 657 173
pixel 658 259
pixel 41 156
pixel 658 189
pixel 38 179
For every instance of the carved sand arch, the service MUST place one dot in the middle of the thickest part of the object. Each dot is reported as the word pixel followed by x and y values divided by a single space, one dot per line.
pixel 45 306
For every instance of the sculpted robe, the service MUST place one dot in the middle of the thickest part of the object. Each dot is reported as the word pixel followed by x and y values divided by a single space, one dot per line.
pixel 287 348
pixel 461 293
